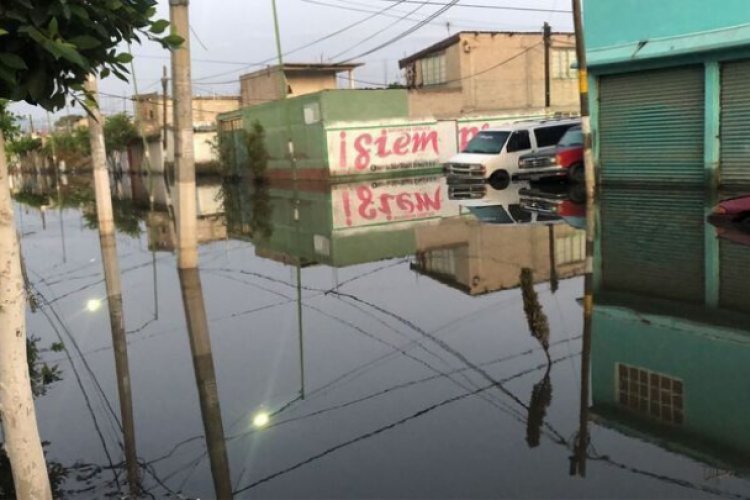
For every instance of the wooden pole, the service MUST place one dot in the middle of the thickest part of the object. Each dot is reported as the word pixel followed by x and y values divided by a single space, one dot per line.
pixel 184 153
pixel 17 413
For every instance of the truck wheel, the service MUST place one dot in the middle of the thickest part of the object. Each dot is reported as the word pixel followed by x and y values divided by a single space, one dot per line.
pixel 577 174
pixel 499 179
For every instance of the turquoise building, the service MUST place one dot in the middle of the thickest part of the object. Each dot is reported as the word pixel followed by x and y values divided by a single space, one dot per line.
pixel 669 86
pixel 670 354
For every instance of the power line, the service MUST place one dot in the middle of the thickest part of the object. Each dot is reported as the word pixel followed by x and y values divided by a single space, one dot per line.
pixel 406 32
pixel 309 44
pixel 389 26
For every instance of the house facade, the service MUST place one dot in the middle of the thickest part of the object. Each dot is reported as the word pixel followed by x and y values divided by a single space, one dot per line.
pixel 486 72
pixel 298 79
pixel 150 114
pixel 668 99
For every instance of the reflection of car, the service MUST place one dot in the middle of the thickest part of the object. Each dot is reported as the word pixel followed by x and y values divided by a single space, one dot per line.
pixel 493 153
pixel 566 202
pixel 564 160
pixel 732 219
pixel 497 206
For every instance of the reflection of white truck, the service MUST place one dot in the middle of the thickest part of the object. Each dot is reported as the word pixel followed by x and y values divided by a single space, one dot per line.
pixel 493 154
pixel 495 206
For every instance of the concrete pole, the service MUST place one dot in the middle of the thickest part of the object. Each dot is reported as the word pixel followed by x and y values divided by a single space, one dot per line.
pixel 205 378
pixel 184 154
pixel 99 164
pixel 122 367
pixel 578 461
pixel 17 413
pixel 547 45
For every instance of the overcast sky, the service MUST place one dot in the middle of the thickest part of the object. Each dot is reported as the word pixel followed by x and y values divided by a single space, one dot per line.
pixel 232 37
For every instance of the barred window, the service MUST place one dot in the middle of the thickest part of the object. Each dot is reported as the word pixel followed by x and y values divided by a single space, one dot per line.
pixel 562 64
pixel 433 69
pixel 651 394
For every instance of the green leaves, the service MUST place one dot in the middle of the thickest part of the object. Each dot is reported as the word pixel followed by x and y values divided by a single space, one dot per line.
pixel 49 47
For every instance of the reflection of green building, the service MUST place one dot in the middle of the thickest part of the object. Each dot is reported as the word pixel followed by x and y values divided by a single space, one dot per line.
pixel 671 332
pixel 337 225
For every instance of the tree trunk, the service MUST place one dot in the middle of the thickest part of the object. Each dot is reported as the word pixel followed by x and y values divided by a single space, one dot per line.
pixel 22 442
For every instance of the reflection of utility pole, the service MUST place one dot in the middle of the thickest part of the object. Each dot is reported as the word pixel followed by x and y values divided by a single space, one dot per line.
pixel 184 153
pixel 299 329
pixel 547 45
pixel 553 282
pixel 164 83
pixel 205 378
pixel 120 345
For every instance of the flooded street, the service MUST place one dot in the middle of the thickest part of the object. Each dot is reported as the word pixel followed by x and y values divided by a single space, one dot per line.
pixel 399 338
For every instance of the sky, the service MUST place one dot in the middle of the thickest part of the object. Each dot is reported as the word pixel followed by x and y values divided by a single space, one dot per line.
pixel 233 37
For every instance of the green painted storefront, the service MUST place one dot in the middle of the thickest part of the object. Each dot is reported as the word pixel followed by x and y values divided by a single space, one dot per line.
pixel 669 91
pixel 307 117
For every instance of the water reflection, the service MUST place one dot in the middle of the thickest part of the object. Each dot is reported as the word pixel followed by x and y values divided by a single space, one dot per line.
pixel 390 339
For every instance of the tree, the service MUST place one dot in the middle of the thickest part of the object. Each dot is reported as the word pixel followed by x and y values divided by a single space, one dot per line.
pixel 119 131
pixel 48 49
pixel 68 121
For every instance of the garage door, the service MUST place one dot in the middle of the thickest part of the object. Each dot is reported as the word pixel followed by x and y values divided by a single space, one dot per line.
pixel 735 123
pixel 652 243
pixel 651 126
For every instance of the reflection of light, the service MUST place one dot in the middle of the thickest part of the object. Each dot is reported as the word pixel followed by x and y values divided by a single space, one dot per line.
pixel 93 305
pixel 261 419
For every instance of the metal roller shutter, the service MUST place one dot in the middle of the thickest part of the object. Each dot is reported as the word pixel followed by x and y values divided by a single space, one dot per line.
pixel 734 270
pixel 652 243
pixel 735 123
pixel 651 126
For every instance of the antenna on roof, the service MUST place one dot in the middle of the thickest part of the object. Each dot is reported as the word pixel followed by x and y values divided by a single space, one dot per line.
pixel 448 27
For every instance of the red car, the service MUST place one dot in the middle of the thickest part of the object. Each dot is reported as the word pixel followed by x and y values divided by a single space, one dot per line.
pixel 565 160
pixel 732 219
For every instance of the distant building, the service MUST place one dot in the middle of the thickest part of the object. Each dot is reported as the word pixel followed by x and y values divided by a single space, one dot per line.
pixel 484 72
pixel 669 99
pixel 149 113
pixel 300 79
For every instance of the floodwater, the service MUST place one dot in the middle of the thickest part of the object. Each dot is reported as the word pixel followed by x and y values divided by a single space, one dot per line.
pixel 374 340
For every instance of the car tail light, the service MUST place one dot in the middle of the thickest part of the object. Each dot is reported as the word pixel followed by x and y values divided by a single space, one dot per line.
pixel 720 210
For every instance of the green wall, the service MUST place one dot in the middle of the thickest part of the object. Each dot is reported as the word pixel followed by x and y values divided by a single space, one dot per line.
pixel 364 105
pixel 617 22
pixel 710 360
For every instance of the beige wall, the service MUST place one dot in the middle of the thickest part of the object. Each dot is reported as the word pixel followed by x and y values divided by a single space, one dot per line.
pixel 489 87
pixel 485 258
pixel 149 108
pixel 260 87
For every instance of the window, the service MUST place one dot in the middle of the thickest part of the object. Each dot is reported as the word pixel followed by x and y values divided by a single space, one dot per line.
pixel 433 69
pixel 311 113
pixel 487 143
pixel 573 137
pixel 519 141
pixel 550 136
pixel 562 64
pixel 650 394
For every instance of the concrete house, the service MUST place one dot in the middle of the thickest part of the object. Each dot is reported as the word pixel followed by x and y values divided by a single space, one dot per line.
pixel 484 72
pixel 299 79
pixel 149 113
pixel 668 99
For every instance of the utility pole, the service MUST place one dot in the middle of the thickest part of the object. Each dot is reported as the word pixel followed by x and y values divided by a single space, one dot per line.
pixel 164 83
pixel 31 124
pixel 547 45
pixel 99 164
pixel 578 461
pixel 184 154
pixel 283 91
